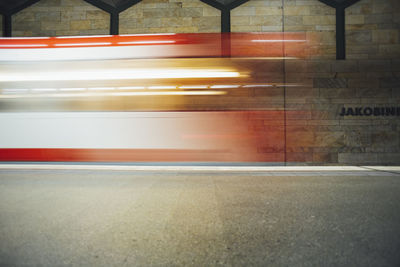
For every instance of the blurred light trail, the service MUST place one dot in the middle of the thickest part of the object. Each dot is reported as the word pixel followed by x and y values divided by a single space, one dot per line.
pixel 193 87
pixel 83 44
pixel 116 74
pixel 44 90
pixel 161 87
pixel 278 41
pixel 224 86
pixel 82 36
pixel 145 93
pixel 146 42
pixel 23 45
pixel 101 88
pixel 131 88
pixel 146 34
pixel 72 89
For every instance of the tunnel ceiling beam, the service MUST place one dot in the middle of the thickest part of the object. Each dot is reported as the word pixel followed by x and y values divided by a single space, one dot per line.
pixel 113 7
pixel 340 7
pixel 225 7
pixel 9 8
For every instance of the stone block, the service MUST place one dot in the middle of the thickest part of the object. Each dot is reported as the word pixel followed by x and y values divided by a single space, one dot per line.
pixel 265 20
pixel 378 19
pixel 133 12
pixel 190 12
pixel 391 51
pixel 97 15
pixel 325 158
pixel 22 16
pixel 385 36
pixel 318 66
pixel 301 157
pixel 48 16
pixel 389 158
pixel 297 11
pixel 330 83
pixel 345 66
pixel 156 22
pixel 300 139
pixel 160 13
pixel 243 11
pixel 80 25
pixel 374 65
pixel 358 37
pixel 385 139
pixel 355 19
pixel 240 20
pixel 99 24
pixel 374 92
pixel 73 15
pixel 293 20
pixel 211 12
pixel 51 26
pixel 337 93
pixel 319 20
pixel 268 11
pixel 358 158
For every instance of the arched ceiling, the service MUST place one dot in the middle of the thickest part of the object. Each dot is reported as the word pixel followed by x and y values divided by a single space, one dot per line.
pixel 9 7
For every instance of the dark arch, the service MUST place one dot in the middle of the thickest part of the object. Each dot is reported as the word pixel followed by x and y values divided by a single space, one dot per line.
pixel 113 7
pixel 225 6
pixel 10 7
pixel 340 6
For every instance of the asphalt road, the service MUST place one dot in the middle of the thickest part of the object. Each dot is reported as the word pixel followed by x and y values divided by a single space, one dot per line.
pixel 128 218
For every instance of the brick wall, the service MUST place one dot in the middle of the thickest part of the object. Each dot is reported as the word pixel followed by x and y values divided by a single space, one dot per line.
pixel 160 16
pixel 60 17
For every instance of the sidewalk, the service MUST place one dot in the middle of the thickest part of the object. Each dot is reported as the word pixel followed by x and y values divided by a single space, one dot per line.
pixel 196 168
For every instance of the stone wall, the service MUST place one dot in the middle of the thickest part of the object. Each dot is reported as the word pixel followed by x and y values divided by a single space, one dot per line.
pixel 160 16
pixel 373 29
pixel 257 16
pixel 316 133
pixel 60 17
pixel 308 16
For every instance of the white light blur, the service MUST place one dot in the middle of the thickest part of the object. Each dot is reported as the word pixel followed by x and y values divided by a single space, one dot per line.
pixel 22 38
pixel 224 86
pixel 161 87
pixel 257 85
pixel 131 88
pixel 193 87
pixel 43 89
pixel 14 91
pixel 147 42
pixel 101 88
pixel 278 41
pixel 170 93
pixel 84 44
pixel 115 74
pixel 148 34
pixel 148 93
pixel 72 89
pixel 23 45
pixel 82 36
